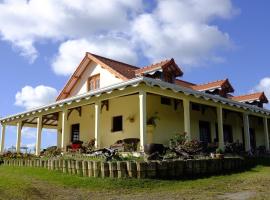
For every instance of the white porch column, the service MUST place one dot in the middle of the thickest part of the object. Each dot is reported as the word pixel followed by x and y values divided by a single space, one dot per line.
pixel 38 138
pixel 59 131
pixel 19 137
pixel 59 138
pixel 3 134
pixel 220 128
pixel 266 133
pixel 97 124
pixel 143 118
pixel 246 132
pixel 186 106
pixel 64 130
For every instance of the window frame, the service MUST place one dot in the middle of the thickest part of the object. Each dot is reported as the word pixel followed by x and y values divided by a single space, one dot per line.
pixel 117 128
pixel 72 135
pixel 95 79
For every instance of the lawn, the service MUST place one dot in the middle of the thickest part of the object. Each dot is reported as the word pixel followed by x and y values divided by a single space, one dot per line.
pixel 37 183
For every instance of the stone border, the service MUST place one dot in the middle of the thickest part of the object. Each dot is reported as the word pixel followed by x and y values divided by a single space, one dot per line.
pixel 173 169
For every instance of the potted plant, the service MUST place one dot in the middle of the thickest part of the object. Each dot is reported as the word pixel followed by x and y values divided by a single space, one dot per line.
pixel 152 121
pixel 219 153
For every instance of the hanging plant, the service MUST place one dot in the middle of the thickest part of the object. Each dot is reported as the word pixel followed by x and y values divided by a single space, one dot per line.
pixel 153 119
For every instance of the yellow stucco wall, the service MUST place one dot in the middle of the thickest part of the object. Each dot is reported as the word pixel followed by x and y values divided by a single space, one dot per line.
pixel 86 121
pixel 170 121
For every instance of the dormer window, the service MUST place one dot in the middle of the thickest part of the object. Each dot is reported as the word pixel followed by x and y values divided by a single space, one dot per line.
pixel 93 82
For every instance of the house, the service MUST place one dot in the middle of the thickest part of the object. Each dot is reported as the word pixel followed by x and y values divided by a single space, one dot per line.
pixel 109 100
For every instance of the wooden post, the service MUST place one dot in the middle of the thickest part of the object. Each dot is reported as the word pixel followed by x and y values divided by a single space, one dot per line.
pixel 220 128
pixel 246 132
pixel 186 105
pixel 3 133
pixel 143 118
pixel 97 125
pixel 19 136
pixel 65 135
pixel 266 133
pixel 39 131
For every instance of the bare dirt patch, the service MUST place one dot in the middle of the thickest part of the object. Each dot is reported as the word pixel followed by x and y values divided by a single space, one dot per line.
pixel 243 195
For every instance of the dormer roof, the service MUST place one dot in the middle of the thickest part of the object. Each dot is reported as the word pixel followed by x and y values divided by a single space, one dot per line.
pixel 211 86
pixel 163 65
pixel 250 98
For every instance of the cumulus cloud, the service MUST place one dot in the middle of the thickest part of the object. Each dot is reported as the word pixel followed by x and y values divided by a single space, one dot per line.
pixel 121 29
pixel 181 29
pixel 25 22
pixel 71 52
pixel 30 97
pixel 264 85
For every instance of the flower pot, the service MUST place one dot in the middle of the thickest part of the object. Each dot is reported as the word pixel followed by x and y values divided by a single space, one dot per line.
pixel 212 155
pixel 153 147
pixel 219 156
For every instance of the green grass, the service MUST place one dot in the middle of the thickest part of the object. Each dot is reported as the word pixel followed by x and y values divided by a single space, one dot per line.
pixel 37 183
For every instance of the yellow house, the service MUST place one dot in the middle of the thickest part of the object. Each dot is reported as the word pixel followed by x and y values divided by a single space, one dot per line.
pixel 107 100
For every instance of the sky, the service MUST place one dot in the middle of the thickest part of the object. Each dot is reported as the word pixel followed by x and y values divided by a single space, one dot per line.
pixel 42 42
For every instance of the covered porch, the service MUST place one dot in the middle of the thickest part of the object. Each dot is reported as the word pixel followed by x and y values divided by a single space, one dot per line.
pixel 123 111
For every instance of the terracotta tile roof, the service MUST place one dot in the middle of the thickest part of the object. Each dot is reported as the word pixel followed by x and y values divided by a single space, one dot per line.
pixel 213 85
pixel 119 69
pixel 125 69
pixel 259 96
pixel 184 83
pixel 158 65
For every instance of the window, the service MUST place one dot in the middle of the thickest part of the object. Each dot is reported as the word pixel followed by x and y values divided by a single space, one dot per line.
pixel 75 132
pixel 117 123
pixel 165 101
pixel 195 106
pixel 205 132
pixel 93 82
pixel 228 134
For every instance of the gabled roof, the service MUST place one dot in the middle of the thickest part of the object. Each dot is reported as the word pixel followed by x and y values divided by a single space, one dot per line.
pixel 126 70
pixel 119 69
pixel 161 65
pixel 219 84
pixel 249 98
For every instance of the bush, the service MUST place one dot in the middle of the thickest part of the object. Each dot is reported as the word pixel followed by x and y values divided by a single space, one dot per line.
pixel 51 152
pixel 177 140
pixel 12 155
pixel 235 148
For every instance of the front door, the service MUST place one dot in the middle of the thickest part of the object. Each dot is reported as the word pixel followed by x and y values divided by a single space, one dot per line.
pixel 75 132
pixel 205 132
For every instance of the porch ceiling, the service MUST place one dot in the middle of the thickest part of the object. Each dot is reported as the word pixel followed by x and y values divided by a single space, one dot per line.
pixel 149 82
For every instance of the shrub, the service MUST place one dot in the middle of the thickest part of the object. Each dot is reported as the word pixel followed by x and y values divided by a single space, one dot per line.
pixel 51 152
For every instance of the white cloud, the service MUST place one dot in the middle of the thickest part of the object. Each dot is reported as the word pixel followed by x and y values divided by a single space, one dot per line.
pixel 264 85
pixel 29 133
pixel 120 29
pixel 30 145
pixel 25 22
pixel 181 29
pixel 71 52
pixel 30 97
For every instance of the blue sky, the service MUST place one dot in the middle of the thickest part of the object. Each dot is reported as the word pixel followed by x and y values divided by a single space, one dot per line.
pixel 40 48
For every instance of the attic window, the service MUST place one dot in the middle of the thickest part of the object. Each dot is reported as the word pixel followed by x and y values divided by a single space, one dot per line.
pixel 93 82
